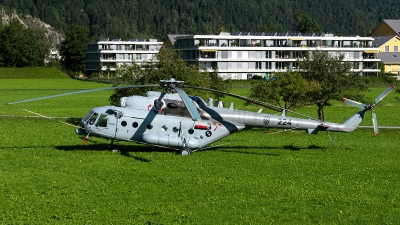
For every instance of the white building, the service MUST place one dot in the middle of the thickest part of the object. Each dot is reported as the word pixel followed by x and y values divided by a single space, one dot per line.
pixel 241 55
pixel 107 55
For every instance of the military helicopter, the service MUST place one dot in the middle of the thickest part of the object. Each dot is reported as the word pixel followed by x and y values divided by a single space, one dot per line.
pixel 188 123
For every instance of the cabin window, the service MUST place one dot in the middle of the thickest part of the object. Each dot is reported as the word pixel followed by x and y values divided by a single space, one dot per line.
pixel 124 123
pixel 102 122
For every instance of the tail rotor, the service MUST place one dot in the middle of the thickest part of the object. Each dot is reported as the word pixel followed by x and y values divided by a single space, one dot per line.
pixel 370 106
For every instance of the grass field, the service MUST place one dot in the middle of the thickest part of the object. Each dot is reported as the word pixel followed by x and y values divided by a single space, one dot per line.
pixel 48 177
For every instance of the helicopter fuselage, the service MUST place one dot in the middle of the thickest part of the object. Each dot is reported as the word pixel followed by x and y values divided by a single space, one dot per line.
pixel 168 122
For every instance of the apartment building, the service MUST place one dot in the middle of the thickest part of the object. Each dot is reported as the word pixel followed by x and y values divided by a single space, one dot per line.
pixel 107 55
pixel 241 55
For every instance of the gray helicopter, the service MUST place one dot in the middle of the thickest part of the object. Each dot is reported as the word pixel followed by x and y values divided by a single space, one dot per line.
pixel 188 123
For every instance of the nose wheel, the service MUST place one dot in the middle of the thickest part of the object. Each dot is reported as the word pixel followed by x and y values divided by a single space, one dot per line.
pixel 185 151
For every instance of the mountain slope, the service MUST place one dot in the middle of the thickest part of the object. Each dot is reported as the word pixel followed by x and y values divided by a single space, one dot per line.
pixel 157 18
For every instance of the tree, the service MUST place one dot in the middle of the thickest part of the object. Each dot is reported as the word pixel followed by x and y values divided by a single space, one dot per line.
pixel 73 48
pixel 169 64
pixel 17 47
pixel 306 24
pixel 43 46
pixel 270 27
pixel 362 28
pixel 288 88
pixel 330 78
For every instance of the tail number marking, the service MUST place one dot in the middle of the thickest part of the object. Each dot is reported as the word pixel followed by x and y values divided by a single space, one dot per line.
pixel 284 122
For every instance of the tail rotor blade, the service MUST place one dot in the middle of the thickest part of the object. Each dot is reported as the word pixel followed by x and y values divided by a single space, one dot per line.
pixel 375 123
pixel 353 103
pixel 386 92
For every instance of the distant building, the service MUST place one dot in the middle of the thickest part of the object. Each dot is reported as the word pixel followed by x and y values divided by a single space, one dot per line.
pixel 389 52
pixel 386 28
pixel 106 55
pixel 241 55
pixel 53 54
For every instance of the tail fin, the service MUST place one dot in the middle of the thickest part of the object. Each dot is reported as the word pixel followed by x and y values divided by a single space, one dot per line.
pixel 356 119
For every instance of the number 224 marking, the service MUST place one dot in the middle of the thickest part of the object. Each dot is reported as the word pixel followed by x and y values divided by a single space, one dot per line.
pixel 284 122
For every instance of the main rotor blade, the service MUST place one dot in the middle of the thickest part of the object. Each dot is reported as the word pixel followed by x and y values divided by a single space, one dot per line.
pixel 270 106
pixel 261 103
pixel 83 91
pixel 375 123
pixel 386 92
pixel 189 104
pixel 353 103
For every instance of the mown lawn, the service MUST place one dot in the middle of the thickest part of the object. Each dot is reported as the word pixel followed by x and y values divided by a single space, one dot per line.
pixel 48 177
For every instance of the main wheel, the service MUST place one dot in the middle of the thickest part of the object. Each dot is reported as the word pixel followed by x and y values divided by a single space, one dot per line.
pixel 185 151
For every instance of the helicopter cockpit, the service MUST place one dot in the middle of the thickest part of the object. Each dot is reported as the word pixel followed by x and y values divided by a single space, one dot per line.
pixel 96 119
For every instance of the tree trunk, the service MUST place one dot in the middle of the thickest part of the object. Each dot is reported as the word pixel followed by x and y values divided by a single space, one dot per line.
pixel 321 112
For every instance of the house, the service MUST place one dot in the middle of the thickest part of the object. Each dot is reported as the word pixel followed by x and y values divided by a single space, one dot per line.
pixel 389 52
pixel 106 55
pixel 386 28
pixel 241 55
pixel 54 54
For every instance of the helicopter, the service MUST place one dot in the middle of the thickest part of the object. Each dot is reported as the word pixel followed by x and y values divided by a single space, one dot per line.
pixel 173 119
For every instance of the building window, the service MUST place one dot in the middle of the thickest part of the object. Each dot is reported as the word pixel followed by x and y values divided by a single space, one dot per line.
pixel 224 54
pixel 138 56
pixel 258 65
pixel 268 65
pixel 245 65
pixel 396 48
pixel 356 65
pixel 245 54
pixel 234 55
pixel 268 54
pixel 386 48
pixel 279 65
pixel 223 65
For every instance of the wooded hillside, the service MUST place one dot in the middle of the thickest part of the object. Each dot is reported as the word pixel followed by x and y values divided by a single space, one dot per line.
pixel 157 18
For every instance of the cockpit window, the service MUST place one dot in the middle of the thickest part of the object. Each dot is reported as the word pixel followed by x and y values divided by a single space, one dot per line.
pixel 102 122
pixel 92 119
pixel 87 116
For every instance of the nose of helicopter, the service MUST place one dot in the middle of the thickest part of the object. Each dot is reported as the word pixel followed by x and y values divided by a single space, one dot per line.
pixel 80 131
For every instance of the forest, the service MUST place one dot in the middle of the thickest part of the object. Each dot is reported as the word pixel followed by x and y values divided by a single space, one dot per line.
pixel 156 18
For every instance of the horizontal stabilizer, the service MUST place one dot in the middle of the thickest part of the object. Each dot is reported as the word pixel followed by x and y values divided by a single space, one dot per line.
pixel 319 128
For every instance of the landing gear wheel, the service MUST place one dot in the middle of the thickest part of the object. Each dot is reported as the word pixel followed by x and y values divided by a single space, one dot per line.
pixel 185 151
pixel 113 148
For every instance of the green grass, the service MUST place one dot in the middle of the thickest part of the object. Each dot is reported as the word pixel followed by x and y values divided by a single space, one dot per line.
pixel 31 73
pixel 48 177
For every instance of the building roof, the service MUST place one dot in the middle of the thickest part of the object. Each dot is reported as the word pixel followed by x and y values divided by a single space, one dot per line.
pixel 390 57
pixel 394 24
pixel 172 37
pixel 380 40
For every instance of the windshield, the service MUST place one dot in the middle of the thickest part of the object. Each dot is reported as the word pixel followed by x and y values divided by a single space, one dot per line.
pixel 92 119
pixel 87 116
